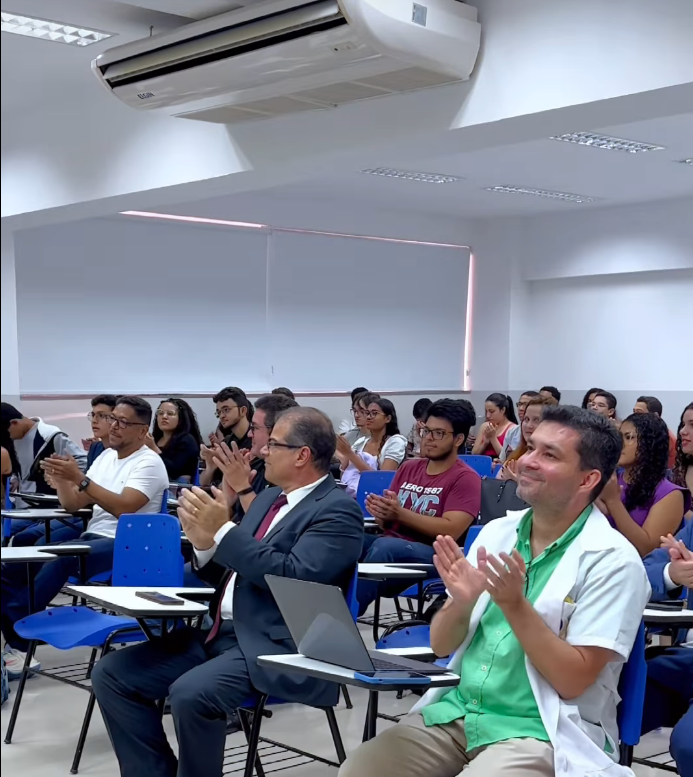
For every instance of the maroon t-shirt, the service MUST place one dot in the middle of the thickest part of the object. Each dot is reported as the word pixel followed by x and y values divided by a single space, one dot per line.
pixel 458 489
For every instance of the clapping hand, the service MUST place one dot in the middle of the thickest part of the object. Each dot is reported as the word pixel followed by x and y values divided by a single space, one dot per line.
pixel 463 581
pixel 202 515
pixel 681 565
pixel 207 454
pixel 62 468
pixel 383 508
pixel 235 466
pixel 504 577
pixel 509 470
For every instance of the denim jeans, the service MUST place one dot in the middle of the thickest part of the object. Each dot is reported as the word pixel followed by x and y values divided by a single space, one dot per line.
pixel 60 532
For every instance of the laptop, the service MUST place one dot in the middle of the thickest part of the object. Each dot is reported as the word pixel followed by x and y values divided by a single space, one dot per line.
pixel 323 629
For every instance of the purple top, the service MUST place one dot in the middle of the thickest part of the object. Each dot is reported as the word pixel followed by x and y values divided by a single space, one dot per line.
pixel 664 488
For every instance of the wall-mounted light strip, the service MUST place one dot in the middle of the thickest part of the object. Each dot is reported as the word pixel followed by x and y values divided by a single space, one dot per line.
pixel 469 322
pixel 193 219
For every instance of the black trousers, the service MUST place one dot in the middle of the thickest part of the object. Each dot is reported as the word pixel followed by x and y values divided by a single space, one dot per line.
pixel 204 683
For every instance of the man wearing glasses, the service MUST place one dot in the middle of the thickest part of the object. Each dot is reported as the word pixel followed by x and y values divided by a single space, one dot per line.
pixel 126 478
pixel 435 495
pixel 235 412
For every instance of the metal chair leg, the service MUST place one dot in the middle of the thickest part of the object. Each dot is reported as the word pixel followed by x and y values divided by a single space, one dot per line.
pixel 83 733
pixel 347 697
pixel 20 691
pixel 336 735
pixel 252 761
pixel 92 661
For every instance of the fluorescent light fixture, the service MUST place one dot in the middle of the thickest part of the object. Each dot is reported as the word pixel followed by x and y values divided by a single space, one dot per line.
pixel 59 32
pixel 193 219
pixel 686 161
pixel 607 142
pixel 411 175
pixel 546 193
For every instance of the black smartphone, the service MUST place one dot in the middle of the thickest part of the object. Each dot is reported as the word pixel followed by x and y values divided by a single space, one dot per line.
pixel 157 598
pixel 674 605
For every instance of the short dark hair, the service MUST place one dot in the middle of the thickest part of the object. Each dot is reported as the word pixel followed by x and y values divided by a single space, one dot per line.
pixel 365 398
pixel 611 400
pixel 555 393
pixel 358 390
pixel 237 395
pixel 652 403
pixel 272 405
pixel 459 413
pixel 283 390
pixel 420 407
pixel 588 394
pixel 530 393
pixel 311 428
pixel 600 442
pixel 10 413
pixel 140 407
pixel 110 400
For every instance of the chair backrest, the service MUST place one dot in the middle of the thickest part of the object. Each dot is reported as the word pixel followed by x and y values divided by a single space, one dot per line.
pixel 373 482
pixel 631 689
pixel 351 600
pixel 472 533
pixel 482 465
pixel 406 636
pixel 147 551
pixel 164 501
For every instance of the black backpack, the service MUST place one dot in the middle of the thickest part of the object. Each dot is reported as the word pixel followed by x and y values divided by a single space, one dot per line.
pixel 497 498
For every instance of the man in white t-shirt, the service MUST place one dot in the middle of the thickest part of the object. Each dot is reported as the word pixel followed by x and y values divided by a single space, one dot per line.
pixel 127 478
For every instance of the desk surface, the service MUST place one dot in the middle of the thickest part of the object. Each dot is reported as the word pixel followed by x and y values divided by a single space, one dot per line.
pixel 43 514
pixel 122 599
pixel 390 571
pixel 670 617
pixel 26 555
pixel 339 674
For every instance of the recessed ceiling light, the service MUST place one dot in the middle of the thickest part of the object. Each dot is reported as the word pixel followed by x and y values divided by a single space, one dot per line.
pixel 565 196
pixel 607 142
pixel 686 161
pixel 59 32
pixel 411 175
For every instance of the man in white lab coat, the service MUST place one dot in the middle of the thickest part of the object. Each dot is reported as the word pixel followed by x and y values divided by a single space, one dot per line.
pixel 540 618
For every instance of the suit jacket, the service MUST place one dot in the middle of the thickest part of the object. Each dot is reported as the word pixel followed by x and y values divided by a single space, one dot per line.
pixel 319 540
pixel 656 561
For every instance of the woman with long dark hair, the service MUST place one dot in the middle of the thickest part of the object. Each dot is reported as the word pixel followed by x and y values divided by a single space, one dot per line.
pixel 384 440
pixel 176 436
pixel 640 502
pixel 683 468
pixel 500 419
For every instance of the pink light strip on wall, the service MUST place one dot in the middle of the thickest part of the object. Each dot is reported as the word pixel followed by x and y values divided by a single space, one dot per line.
pixel 466 367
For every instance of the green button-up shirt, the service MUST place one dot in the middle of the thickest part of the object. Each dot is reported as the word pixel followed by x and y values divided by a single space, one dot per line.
pixel 494 695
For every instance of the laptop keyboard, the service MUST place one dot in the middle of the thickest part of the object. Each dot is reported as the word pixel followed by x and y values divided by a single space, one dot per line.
pixel 383 666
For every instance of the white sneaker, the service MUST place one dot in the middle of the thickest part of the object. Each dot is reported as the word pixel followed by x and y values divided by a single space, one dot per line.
pixel 14 662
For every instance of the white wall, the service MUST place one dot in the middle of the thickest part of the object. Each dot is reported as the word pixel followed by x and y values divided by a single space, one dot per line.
pixel 10 350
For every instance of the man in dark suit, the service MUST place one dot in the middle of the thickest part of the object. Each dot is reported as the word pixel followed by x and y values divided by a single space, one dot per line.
pixel 669 695
pixel 305 528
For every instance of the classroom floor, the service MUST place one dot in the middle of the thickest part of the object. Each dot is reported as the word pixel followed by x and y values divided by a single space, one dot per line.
pixel 51 715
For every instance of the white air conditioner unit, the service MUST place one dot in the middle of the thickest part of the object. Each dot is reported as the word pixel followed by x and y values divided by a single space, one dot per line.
pixel 285 56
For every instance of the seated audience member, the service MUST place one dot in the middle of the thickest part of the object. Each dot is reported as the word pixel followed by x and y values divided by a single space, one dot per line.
pixel 359 408
pixel 683 469
pixel 383 440
pixel 654 406
pixel 551 391
pixel 244 471
pixel 669 693
pixel 589 397
pixel 436 494
pixel 541 617
pixel 126 478
pixel 208 674
pixel 531 419
pixel 285 391
pixel 640 502
pixel 235 412
pixel 513 438
pixel 500 419
pixel 176 438
pixel 348 426
pixel 33 441
pixel 6 472
pixel 605 403
pixel 100 419
pixel 414 438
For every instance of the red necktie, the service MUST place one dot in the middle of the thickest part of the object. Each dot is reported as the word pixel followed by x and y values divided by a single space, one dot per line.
pixel 262 530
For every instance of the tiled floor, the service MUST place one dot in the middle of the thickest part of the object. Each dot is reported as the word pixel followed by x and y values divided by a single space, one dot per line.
pixel 51 715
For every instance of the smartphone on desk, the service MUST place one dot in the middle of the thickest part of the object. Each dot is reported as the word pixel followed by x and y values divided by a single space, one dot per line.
pixel 673 605
pixel 388 677
pixel 158 598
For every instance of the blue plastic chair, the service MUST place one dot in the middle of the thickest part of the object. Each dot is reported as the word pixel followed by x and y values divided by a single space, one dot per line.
pixel 631 688
pixel 146 553
pixel 372 482
pixel 482 465
pixel 472 534
pixel 7 522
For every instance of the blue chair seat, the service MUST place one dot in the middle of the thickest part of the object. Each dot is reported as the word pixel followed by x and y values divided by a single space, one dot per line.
pixel 65 628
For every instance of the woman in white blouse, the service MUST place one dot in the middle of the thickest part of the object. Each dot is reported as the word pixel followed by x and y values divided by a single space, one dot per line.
pixel 384 441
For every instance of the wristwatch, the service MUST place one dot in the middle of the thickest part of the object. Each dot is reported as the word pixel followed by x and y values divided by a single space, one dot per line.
pixel 84 485
pixel 245 491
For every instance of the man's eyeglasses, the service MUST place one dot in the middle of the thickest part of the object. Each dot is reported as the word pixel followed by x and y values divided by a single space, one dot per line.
pixel 225 411
pixel 122 423
pixel 272 444
pixel 520 405
pixel 99 416
pixel 357 411
pixel 435 434
pixel 256 428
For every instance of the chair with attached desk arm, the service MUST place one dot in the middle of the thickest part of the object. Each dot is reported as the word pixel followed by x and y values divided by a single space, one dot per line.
pixel 146 553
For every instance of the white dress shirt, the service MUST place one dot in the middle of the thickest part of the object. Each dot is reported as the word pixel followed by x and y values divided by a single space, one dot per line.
pixel 669 584
pixel 205 556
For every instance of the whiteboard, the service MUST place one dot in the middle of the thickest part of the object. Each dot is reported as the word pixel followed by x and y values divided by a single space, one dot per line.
pixel 121 305
pixel 347 311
